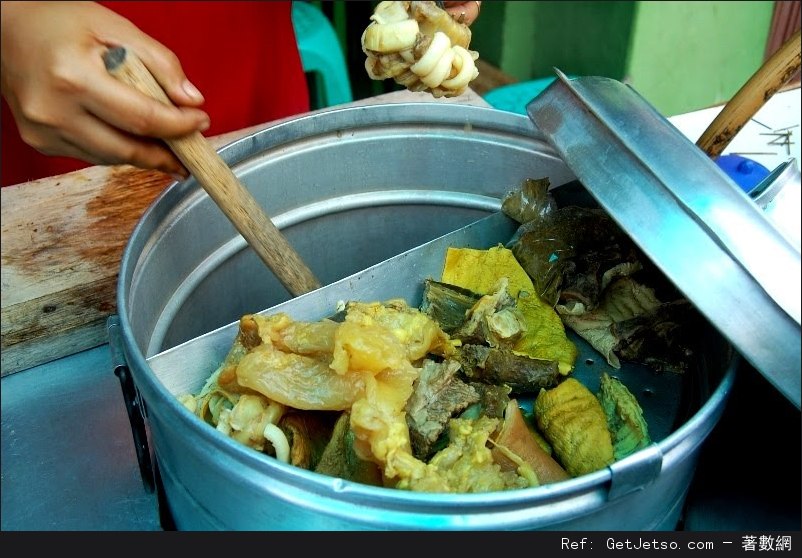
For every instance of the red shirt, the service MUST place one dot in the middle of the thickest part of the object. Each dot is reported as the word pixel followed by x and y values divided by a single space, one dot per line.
pixel 241 55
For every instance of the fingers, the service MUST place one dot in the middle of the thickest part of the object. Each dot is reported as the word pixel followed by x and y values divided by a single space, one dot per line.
pixel 100 143
pixel 160 60
pixel 166 68
pixel 126 108
pixel 464 12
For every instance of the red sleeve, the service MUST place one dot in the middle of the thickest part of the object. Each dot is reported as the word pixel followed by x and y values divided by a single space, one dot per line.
pixel 241 55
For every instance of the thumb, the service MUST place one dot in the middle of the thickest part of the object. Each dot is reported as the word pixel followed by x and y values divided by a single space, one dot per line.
pixel 166 68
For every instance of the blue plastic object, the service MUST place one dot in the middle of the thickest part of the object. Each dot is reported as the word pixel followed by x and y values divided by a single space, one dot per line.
pixel 321 55
pixel 746 173
pixel 515 97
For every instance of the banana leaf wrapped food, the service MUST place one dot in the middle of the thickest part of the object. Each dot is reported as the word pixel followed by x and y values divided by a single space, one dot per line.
pixel 602 286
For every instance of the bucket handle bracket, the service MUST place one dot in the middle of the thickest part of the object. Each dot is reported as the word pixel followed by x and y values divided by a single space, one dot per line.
pixel 133 403
pixel 635 472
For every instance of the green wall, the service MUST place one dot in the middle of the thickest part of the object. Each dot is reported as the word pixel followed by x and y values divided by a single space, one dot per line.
pixel 576 37
pixel 681 56
pixel 688 55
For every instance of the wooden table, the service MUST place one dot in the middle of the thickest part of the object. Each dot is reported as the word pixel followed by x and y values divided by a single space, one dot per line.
pixel 62 242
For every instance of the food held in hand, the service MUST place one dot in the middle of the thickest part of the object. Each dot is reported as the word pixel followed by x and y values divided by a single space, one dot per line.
pixel 421 47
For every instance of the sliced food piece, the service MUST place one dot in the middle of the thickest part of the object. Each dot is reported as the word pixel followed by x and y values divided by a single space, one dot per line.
pixel 501 366
pixel 517 437
pixel 340 460
pixel 624 417
pixel 573 421
pixel 438 394
pixel 447 304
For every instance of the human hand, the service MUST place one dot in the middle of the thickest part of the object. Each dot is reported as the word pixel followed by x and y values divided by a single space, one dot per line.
pixel 64 101
pixel 464 12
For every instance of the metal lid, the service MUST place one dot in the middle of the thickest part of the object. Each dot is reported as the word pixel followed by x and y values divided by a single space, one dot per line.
pixel 708 237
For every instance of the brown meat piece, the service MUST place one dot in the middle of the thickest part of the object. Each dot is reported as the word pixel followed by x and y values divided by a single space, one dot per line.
pixel 438 394
pixel 493 399
pixel 502 366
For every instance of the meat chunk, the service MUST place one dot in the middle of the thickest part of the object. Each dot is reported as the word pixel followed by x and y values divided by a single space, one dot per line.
pixel 438 394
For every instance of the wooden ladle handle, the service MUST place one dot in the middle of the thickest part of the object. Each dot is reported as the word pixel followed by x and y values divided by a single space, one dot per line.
pixel 209 169
pixel 764 83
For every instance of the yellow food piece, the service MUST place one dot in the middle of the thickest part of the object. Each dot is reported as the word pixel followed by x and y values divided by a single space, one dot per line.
pixel 366 348
pixel 421 47
pixel 479 271
pixel 573 421
pixel 303 338
pixel 378 419
pixel 299 381
pixel 363 364
pixel 465 465
pixel 416 331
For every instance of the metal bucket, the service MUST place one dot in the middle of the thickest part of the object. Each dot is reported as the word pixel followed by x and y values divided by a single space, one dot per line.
pixel 349 188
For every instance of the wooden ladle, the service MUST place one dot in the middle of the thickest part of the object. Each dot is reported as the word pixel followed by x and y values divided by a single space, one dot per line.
pixel 215 176
pixel 769 78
